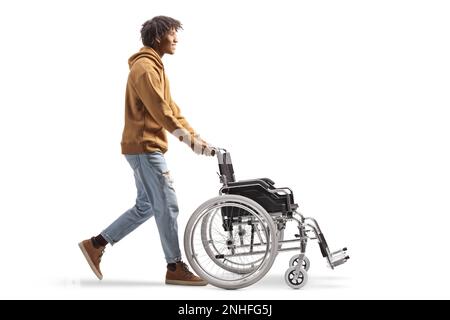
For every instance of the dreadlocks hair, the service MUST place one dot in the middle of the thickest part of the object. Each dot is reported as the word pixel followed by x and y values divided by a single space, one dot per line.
pixel 156 28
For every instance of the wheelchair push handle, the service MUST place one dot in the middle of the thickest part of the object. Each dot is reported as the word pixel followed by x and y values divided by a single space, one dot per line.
pixel 216 151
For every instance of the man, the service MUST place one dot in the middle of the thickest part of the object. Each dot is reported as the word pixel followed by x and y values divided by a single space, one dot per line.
pixel 149 111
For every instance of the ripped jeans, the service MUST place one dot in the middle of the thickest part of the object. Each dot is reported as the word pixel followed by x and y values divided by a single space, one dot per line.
pixel 155 197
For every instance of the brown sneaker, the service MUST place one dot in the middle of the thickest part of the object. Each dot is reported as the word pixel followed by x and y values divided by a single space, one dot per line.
pixel 92 255
pixel 179 274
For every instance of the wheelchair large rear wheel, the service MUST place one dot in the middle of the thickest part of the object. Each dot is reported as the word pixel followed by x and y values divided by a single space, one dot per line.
pixel 231 241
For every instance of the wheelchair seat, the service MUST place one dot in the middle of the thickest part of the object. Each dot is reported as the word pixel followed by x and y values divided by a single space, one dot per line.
pixel 263 190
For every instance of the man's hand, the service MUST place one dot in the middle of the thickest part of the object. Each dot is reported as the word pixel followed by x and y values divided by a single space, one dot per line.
pixel 201 147
pixel 197 144
pixel 209 151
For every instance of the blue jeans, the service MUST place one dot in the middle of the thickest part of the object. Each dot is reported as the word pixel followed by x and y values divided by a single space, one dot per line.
pixel 155 197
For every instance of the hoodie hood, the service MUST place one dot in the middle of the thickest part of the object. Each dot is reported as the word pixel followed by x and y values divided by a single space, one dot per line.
pixel 148 53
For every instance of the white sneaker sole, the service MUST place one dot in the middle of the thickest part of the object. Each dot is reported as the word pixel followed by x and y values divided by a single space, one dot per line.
pixel 90 262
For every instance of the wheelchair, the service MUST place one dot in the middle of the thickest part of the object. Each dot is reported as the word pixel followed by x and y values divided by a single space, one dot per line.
pixel 232 240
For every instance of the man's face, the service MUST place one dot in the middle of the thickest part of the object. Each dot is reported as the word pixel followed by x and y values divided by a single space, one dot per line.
pixel 169 42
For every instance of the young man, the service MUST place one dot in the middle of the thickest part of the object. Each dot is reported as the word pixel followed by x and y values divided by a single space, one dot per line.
pixel 149 111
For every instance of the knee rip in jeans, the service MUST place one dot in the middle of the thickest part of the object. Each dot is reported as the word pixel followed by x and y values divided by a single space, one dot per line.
pixel 168 178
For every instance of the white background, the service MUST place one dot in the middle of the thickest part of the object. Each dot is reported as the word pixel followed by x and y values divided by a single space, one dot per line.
pixel 345 102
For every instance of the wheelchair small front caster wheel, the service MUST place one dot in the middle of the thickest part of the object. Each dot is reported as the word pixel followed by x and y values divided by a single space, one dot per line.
pixel 305 262
pixel 296 279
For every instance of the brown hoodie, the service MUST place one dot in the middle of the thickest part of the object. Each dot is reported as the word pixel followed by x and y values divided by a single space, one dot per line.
pixel 149 108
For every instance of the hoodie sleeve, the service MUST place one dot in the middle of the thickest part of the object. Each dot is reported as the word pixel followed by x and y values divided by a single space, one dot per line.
pixel 148 88
pixel 182 119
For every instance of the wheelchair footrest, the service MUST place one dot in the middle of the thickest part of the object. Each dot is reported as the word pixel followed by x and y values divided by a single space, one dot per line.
pixel 339 257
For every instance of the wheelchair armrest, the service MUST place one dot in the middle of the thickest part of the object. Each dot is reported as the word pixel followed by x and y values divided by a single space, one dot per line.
pixel 269 181
pixel 241 183
pixel 285 189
